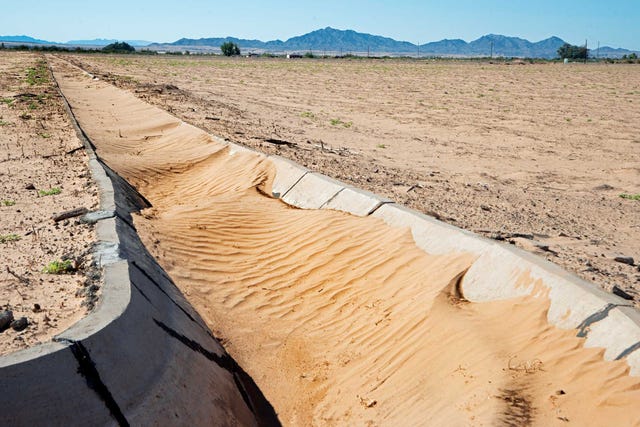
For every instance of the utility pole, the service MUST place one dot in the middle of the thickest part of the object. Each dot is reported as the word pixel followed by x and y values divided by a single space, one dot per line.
pixel 491 56
pixel 367 51
pixel 587 51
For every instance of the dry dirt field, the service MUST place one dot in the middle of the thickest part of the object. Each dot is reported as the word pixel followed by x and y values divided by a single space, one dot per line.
pixel 43 172
pixel 535 154
pixel 339 319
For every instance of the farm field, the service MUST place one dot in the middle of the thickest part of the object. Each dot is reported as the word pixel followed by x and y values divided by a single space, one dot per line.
pixel 341 319
pixel 534 154
pixel 48 276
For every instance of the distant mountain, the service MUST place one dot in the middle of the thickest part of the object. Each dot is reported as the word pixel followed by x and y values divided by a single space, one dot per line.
pixel 609 52
pixel 23 39
pixel 496 45
pixel 445 46
pixel 216 42
pixel 333 40
pixel 327 39
pixel 347 40
pixel 104 42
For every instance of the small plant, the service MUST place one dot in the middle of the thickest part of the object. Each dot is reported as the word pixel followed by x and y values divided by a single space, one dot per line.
pixel 8 202
pixel 630 196
pixel 336 122
pixel 37 75
pixel 381 146
pixel 4 123
pixel 58 267
pixel 44 135
pixel 33 106
pixel 7 101
pixel 4 238
pixel 308 115
pixel 51 192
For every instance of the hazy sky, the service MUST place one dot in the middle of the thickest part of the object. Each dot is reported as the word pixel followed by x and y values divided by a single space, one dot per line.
pixel 612 22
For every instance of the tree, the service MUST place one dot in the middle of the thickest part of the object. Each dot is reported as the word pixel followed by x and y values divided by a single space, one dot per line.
pixel 119 47
pixel 633 56
pixel 569 51
pixel 230 49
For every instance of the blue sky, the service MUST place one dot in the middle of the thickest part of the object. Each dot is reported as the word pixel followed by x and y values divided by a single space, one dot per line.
pixel 612 22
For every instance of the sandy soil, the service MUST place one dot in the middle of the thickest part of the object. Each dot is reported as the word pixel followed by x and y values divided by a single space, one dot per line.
pixel 37 151
pixel 336 328
pixel 537 154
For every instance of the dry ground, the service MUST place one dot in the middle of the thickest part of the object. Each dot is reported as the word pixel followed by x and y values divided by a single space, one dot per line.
pixel 535 154
pixel 39 152
pixel 335 327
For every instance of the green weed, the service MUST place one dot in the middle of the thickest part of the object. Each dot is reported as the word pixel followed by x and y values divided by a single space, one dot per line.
pixel 8 202
pixel 52 192
pixel 630 196
pixel 37 75
pixel 4 238
pixel 58 267
pixel 336 122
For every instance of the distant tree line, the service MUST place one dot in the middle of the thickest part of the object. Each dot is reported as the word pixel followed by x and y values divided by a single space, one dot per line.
pixel 569 51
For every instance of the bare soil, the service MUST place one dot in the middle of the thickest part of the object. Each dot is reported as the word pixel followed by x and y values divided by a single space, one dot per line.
pixel 335 327
pixel 535 154
pixel 39 155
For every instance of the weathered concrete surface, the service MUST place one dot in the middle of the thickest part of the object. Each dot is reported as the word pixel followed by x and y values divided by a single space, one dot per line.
pixel 287 175
pixel 430 235
pixel 312 191
pixel 355 201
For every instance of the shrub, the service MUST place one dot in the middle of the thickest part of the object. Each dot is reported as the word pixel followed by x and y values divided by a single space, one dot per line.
pixel 119 47
pixel 230 49
pixel 568 51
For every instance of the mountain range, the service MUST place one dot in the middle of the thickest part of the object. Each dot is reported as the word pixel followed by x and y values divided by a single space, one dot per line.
pixel 332 41
pixel 105 42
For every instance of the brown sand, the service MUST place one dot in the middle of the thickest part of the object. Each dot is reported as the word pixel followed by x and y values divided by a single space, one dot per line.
pixel 340 320
pixel 535 154
pixel 37 145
